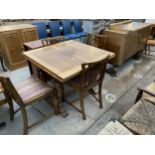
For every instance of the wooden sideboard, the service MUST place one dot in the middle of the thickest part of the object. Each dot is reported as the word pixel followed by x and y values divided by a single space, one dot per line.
pixel 126 39
pixel 11 43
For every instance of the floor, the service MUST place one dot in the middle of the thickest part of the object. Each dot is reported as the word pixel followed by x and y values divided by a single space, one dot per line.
pixel 118 96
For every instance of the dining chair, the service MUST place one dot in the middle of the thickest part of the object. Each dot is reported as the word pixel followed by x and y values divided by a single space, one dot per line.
pixel 96 40
pixel 139 119
pixel 150 41
pixel 54 27
pixel 26 93
pixel 41 27
pixel 148 93
pixel 6 100
pixel 67 29
pixel 78 28
pixel 91 76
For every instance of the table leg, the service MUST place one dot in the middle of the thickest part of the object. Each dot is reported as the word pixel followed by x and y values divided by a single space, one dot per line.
pixel 60 96
pixel 30 67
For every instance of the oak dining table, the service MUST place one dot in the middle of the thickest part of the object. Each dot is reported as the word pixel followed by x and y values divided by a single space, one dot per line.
pixel 62 61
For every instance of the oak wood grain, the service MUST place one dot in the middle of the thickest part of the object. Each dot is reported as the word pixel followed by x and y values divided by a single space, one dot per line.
pixel 63 60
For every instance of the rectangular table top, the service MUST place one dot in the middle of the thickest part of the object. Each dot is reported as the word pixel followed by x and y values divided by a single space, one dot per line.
pixel 33 44
pixel 63 60
pixel 132 26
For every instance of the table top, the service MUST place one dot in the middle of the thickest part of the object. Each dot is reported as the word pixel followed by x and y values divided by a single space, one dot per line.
pixel 63 60
pixel 34 44
pixel 132 26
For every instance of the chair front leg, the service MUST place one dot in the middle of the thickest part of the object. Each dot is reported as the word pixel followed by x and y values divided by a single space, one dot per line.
pixel 25 120
pixel 82 105
pixel 139 96
pixel 11 110
pixel 100 96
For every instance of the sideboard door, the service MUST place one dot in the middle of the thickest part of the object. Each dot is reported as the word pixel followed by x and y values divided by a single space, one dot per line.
pixel 12 49
pixel 29 35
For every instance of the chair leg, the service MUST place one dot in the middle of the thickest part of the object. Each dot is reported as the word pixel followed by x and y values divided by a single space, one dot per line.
pixel 25 120
pixel 140 93
pixel 2 64
pixel 11 110
pixel 145 49
pixel 100 96
pixel 149 49
pixel 82 106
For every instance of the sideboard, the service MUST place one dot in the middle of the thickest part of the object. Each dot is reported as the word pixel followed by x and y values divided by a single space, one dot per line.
pixel 11 43
pixel 126 40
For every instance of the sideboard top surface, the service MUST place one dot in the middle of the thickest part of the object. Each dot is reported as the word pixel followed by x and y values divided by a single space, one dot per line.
pixel 16 27
pixel 132 26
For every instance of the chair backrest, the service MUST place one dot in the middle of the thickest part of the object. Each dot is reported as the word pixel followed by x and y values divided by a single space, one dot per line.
pixel 96 40
pixel 51 41
pixel 54 27
pixel 93 73
pixel 10 90
pixel 66 24
pixel 41 27
pixel 78 25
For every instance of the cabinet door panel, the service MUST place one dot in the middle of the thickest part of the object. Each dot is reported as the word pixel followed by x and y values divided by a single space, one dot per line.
pixel 29 35
pixel 13 48
pixel 142 38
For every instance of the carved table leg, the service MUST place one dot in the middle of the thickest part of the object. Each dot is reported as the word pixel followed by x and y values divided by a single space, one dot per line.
pixel 60 96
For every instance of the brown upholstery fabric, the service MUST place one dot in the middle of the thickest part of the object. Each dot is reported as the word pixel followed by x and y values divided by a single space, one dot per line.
pixel 151 88
pixel 32 88
pixel 141 118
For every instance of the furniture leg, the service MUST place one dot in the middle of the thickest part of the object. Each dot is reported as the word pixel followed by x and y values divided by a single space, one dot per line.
pixel 60 96
pixel 140 93
pixel 25 120
pixel 112 71
pixel 11 110
pixel 30 67
pixel 82 106
pixel 2 64
pixel 145 49
pixel 100 96
pixel 149 48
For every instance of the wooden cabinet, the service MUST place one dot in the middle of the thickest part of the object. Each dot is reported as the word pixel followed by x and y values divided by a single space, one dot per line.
pixel 126 39
pixel 28 35
pixel 11 43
